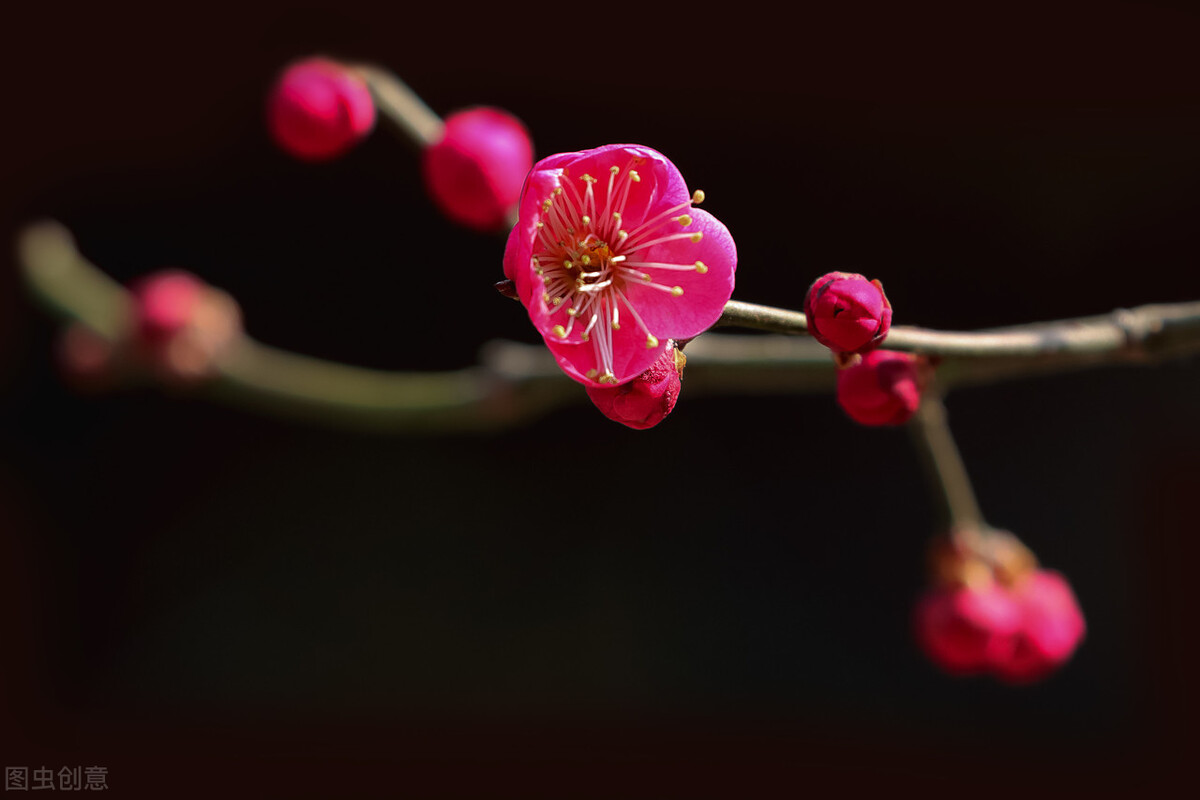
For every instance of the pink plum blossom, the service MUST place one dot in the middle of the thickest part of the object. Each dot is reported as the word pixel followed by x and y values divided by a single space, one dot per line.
pixel 612 261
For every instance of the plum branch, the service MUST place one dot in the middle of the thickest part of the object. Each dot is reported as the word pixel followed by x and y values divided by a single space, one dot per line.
pixel 515 382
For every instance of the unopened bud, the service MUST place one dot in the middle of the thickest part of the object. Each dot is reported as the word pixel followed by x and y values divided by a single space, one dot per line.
pixel 966 630
pixel 647 399
pixel 88 360
pixel 847 313
pixel 1052 626
pixel 883 389
pixel 319 109
pixel 476 170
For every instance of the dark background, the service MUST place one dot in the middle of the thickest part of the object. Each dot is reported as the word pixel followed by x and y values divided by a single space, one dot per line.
pixel 208 601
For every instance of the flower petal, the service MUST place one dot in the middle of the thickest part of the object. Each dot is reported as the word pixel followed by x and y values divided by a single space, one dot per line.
pixel 631 357
pixel 704 294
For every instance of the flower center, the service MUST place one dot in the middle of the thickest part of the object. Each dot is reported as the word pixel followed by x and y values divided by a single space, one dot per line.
pixel 586 260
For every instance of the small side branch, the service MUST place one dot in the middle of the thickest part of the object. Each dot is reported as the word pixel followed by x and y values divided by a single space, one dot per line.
pixel 401 106
pixel 944 465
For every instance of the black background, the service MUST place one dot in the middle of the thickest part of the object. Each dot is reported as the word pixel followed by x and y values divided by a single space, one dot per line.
pixel 208 601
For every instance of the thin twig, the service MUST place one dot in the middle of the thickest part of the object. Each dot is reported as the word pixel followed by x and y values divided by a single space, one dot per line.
pixel 1124 333
pixel 401 106
pixel 945 466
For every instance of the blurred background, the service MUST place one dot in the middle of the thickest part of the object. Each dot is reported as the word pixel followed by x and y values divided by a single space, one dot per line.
pixel 205 599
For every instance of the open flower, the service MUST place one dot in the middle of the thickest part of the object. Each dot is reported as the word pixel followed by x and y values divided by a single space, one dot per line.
pixel 612 261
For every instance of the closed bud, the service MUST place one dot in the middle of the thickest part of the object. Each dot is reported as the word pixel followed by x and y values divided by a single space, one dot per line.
pixel 1051 627
pixel 88 360
pixel 319 109
pixel 847 313
pixel 967 629
pixel 475 172
pixel 647 399
pixel 882 389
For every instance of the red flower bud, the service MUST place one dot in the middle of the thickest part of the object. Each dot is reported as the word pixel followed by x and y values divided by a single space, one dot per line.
pixel 644 401
pixel 88 361
pixel 883 389
pixel 181 326
pixel 319 109
pixel 967 630
pixel 164 304
pixel 1051 627
pixel 847 313
pixel 476 171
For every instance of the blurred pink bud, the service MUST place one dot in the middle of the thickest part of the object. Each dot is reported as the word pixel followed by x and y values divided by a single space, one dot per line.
pixel 847 313
pixel 1051 627
pixel 647 399
pixel 476 171
pixel 181 325
pixel 967 630
pixel 87 359
pixel 319 109
pixel 164 303
pixel 883 389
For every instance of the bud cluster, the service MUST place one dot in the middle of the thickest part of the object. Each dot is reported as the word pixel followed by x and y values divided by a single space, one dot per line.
pixel 177 328
pixel 991 610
